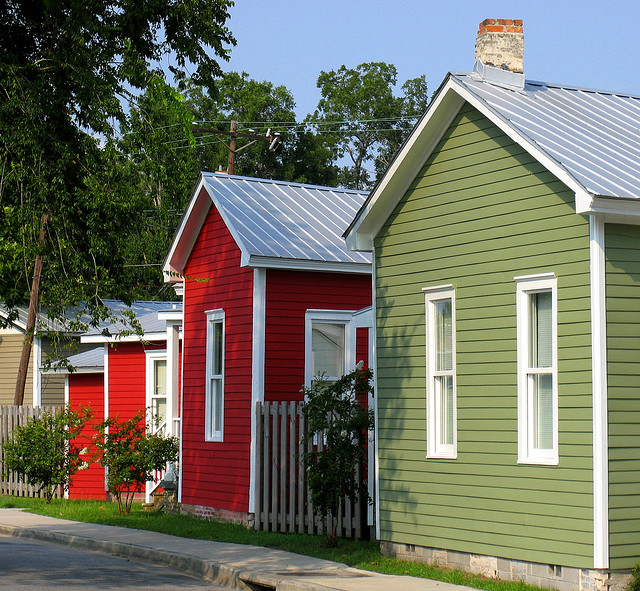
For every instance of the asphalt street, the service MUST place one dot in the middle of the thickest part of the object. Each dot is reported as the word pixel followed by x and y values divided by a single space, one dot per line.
pixel 36 565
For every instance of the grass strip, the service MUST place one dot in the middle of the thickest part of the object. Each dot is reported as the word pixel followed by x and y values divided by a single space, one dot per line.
pixel 361 554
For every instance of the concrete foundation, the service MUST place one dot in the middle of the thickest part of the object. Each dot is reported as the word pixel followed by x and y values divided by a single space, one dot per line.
pixel 203 512
pixel 548 576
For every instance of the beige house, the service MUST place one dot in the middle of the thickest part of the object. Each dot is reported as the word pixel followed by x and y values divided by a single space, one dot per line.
pixel 41 388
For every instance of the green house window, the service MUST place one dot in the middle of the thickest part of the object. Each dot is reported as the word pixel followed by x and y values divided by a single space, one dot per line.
pixel 441 376
pixel 537 369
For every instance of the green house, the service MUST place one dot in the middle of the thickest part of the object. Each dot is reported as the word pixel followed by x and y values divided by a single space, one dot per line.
pixel 506 243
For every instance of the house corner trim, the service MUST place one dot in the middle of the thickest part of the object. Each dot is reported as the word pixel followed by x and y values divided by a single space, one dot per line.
pixel 37 371
pixel 257 369
pixel 599 381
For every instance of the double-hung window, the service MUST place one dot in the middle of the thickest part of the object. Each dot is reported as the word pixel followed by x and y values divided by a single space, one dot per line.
pixel 536 306
pixel 157 390
pixel 214 398
pixel 441 372
pixel 329 344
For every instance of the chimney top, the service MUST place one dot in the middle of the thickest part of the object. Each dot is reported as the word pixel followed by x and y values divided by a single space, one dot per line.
pixel 500 46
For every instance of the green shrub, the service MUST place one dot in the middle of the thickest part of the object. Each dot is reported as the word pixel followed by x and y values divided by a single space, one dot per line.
pixel 634 585
pixel 43 452
pixel 338 411
pixel 131 454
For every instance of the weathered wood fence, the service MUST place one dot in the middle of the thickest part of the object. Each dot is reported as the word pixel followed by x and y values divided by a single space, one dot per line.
pixel 10 418
pixel 282 496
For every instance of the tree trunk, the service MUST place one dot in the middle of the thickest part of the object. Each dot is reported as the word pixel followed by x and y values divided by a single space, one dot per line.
pixel 18 397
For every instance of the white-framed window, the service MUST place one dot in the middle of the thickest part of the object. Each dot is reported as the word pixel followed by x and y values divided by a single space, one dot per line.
pixel 156 380
pixel 537 342
pixel 440 316
pixel 214 388
pixel 329 344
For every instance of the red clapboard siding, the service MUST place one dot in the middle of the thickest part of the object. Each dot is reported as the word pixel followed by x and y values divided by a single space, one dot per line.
pixel 362 346
pixel 127 378
pixel 87 390
pixel 289 295
pixel 216 474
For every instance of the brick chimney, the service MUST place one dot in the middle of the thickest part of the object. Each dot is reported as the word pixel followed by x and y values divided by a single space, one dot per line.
pixel 500 51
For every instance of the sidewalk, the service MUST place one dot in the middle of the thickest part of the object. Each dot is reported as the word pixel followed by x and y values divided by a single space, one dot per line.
pixel 231 565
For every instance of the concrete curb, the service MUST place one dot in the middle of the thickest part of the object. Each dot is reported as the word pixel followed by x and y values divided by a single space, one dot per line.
pixel 208 570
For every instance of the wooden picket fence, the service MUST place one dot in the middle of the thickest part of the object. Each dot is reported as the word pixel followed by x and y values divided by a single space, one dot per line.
pixel 282 496
pixel 10 418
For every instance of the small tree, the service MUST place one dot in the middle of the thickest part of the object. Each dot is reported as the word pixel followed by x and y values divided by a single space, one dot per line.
pixel 131 454
pixel 43 451
pixel 338 411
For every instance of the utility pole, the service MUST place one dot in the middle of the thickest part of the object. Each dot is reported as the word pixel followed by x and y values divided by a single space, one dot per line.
pixel 30 329
pixel 233 134
pixel 232 147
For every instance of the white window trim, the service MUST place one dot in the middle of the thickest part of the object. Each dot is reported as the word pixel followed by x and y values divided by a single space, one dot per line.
pixel 213 317
pixel 345 317
pixel 434 448
pixel 526 285
pixel 151 357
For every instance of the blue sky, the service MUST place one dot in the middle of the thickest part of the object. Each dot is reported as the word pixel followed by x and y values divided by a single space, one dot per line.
pixel 588 43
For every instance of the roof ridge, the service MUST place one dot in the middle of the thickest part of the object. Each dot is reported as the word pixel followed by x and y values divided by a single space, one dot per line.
pixel 529 82
pixel 281 182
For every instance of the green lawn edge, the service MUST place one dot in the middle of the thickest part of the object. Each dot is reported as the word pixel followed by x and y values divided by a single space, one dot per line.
pixel 361 554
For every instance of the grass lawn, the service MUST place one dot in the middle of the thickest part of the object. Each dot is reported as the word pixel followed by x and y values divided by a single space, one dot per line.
pixel 360 554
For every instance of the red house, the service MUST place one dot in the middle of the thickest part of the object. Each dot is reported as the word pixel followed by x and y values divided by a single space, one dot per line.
pixel 125 374
pixel 270 293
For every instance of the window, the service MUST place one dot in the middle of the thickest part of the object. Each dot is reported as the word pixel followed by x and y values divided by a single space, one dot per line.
pixel 329 344
pixel 157 389
pixel 536 305
pixel 214 399
pixel 441 372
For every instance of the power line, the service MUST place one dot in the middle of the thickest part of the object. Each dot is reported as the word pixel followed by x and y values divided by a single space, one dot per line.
pixel 268 124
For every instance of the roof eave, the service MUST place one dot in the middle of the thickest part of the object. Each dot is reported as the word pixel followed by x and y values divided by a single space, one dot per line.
pixel 171 315
pixel 613 210
pixel 84 369
pixel 188 230
pixel 256 261
pixel 116 338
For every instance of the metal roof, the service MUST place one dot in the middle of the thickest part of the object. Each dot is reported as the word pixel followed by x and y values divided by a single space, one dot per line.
pixel 91 361
pixel 146 313
pixel 144 310
pixel 594 135
pixel 281 220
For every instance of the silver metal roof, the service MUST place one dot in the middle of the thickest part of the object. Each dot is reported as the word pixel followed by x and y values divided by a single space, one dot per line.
pixel 91 361
pixel 280 220
pixel 594 135
pixel 146 313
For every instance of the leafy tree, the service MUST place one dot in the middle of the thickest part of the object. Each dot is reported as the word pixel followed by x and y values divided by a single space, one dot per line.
pixel 158 137
pixel 259 106
pixel 131 454
pixel 44 452
pixel 66 69
pixel 337 412
pixel 366 121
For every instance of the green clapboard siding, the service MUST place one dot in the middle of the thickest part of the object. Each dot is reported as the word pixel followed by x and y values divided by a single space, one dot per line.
pixel 622 251
pixel 481 212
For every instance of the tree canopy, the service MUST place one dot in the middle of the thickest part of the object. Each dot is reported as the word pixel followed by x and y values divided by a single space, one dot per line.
pixel 367 121
pixel 68 70
pixel 67 201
